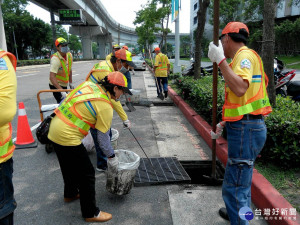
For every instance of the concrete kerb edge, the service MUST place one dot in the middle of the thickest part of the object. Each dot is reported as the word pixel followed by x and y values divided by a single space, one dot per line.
pixel 46 65
pixel 264 195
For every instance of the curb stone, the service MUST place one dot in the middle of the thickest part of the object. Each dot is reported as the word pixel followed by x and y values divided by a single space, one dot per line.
pixel 264 195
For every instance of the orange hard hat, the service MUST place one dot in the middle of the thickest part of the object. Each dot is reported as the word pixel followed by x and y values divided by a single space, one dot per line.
pixel 234 27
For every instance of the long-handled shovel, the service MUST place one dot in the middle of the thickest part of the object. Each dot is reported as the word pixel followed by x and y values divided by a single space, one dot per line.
pixel 142 150
pixel 160 94
pixel 213 180
pixel 129 103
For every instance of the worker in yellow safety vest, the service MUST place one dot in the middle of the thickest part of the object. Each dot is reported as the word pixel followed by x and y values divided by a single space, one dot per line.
pixel 246 105
pixel 130 67
pixel 115 48
pixel 8 106
pixel 98 73
pixel 161 70
pixel 87 106
pixel 61 69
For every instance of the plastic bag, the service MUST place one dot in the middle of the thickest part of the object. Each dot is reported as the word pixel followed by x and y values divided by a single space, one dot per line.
pixel 121 181
pixel 88 142
pixel 128 160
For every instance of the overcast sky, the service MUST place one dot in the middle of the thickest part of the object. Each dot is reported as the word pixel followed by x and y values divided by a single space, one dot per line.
pixel 123 11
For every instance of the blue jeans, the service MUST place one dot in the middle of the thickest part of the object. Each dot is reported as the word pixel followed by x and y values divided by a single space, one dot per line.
pixel 246 139
pixel 101 157
pixel 7 201
pixel 162 81
pixel 128 77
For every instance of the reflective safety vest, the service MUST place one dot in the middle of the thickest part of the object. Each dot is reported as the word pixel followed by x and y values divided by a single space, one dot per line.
pixel 66 110
pixel 11 57
pixel 7 147
pixel 63 75
pixel 257 105
pixel 102 67
pixel 163 62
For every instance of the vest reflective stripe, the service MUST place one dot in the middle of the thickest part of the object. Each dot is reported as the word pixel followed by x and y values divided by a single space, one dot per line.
pixel 163 65
pixel 73 99
pixel 7 147
pixel 261 101
pixel 64 77
pixel 248 108
pixel 98 68
pixel 11 57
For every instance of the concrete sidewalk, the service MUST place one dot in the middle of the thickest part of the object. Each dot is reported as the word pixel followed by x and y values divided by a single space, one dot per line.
pixel 163 131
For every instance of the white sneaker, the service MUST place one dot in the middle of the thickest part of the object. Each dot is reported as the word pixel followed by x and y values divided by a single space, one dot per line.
pixel 100 169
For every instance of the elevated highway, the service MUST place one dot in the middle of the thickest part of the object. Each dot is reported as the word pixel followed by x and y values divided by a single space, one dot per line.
pixel 99 26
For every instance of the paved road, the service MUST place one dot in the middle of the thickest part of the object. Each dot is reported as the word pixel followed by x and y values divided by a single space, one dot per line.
pixel 162 131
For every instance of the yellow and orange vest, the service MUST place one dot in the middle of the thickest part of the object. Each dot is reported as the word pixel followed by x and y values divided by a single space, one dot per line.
pixel 7 147
pixel 257 105
pixel 163 62
pixel 63 75
pixel 66 110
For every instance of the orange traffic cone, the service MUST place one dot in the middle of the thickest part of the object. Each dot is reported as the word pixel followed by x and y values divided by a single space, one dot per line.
pixel 24 135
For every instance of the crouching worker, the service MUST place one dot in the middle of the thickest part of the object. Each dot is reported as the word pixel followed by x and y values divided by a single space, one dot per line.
pixel 88 105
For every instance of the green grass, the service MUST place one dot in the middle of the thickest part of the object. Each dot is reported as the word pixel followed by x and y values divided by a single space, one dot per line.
pixel 288 60
pixel 286 181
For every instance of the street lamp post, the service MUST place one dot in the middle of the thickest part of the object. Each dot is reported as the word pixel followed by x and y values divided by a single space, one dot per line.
pixel 2 32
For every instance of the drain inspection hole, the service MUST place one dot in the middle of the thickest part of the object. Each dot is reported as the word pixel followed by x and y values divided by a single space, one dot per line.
pixel 200 172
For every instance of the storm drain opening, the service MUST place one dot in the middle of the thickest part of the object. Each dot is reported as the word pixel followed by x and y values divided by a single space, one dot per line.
pixel 200 172
pixel 164 170
pixel 162 103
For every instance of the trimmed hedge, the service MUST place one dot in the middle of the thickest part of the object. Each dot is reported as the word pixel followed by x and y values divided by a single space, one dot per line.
pixel 283 142
pixel 42 61
pixel 32 62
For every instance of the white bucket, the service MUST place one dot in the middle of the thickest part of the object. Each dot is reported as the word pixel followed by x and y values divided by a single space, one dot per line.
pixel 122 182
pixel 47 110
pixel 135 97
pixel 114 138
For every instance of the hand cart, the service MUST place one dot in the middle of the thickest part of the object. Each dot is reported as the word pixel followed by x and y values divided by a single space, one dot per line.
pixel 46 110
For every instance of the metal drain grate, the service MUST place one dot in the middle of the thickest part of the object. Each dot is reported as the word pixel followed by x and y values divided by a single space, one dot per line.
pixel 166 170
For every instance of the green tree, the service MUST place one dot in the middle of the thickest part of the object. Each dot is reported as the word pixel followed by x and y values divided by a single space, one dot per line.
pixel 61 32
pixel 230 10
pixel 40 37
pixel 75 45
pixel 163 13
pixel 201 16
pixel 23 31
pixel 185 45
pixel 169 50
pixel 147 20
pixel 95 49
pixel 268 46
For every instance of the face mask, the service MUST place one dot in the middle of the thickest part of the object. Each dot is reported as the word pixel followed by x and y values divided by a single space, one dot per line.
pixel 123 70
pixel 64 49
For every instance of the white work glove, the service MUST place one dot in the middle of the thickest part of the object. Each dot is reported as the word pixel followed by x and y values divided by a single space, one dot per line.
pixel 112 165
pixel 71 86
pixel 64 94
pixel 219 130
pixel 127 124
pixel 216 53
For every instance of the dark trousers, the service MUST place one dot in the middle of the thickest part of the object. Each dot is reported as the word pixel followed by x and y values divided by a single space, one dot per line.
pixel 79 176
pixel 8 220
pixel 128 77
pixel 57 95
pixel 7 201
